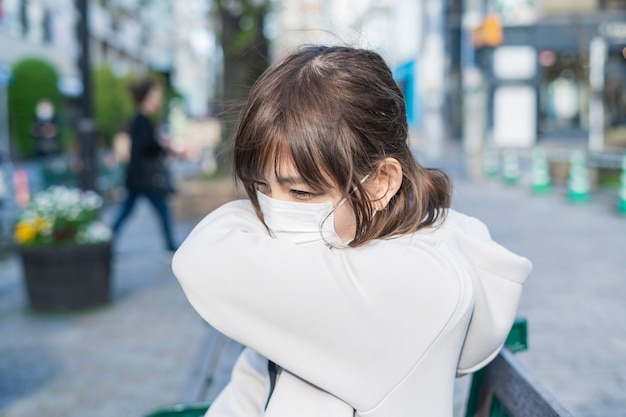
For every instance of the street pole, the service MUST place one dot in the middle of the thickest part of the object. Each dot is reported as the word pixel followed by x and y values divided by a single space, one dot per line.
pixel 432 79
pixel 86 125
pixel 597 64
pixel 474 97
pixel 5 141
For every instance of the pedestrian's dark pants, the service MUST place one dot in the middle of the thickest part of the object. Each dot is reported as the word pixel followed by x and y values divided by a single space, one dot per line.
pixel 158 202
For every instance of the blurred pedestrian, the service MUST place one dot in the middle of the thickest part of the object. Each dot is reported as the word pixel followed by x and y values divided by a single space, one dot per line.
pixel 147 172
pixel 354 286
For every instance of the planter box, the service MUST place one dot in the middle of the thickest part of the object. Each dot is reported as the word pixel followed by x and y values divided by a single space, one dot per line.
pixel 67 277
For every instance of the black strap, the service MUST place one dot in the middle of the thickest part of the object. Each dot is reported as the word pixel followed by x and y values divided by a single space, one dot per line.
pixel 272 369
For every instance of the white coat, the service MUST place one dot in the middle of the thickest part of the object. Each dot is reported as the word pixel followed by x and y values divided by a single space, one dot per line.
pixel 378 330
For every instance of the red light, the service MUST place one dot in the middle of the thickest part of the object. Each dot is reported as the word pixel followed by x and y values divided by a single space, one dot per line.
pixel 547 57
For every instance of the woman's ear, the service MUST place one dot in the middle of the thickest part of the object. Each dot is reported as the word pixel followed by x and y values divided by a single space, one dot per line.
pixel 386 182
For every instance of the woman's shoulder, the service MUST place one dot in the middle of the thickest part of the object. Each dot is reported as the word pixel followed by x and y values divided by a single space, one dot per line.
pixel 468 238
pixel 455 220
pixel 234 207
pixel 138 118
pixel 448 221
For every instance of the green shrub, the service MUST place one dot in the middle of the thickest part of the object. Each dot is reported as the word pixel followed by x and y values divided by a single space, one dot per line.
pixel 113 106
pixel 33 79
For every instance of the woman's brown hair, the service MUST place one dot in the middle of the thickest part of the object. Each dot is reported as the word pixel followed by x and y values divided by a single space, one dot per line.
pixel 139 90
pixel 336 112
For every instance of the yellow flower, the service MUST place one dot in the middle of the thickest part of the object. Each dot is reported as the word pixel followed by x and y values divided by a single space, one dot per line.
pixel 57 215
pixel 25 232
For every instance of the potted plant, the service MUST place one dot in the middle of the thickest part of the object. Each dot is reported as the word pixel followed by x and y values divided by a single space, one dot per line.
pixel 65 251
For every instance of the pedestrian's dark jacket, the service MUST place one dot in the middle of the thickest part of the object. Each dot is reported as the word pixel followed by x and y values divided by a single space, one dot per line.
pixel 147 170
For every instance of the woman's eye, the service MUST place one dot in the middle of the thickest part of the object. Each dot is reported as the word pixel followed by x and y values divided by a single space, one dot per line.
pixel 262 187
pixel 302 195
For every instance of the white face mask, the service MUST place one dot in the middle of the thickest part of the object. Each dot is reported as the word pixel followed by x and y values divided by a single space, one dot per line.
pixel 301 223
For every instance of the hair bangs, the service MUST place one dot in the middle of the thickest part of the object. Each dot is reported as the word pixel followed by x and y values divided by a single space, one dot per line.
pixel 255 150
pixel 307 148
pixel 274 146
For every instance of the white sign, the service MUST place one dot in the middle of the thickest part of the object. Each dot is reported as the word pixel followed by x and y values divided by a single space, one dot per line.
pixel 597 63
pixel 515 62
pixel 515 116
pixel 615 30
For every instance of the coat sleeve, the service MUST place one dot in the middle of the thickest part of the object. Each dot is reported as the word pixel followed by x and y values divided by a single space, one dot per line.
pixel 310 308
pixel 497 277
pixel 247 391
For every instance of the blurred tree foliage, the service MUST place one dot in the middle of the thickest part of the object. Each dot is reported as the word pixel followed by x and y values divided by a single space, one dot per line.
pixel 113 103
pixel 246 50
pixel 113 106
pixel 33 79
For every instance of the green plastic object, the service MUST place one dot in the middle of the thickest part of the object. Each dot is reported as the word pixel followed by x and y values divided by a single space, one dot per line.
pixel 182 410
pixel 498 410
pixel 517 340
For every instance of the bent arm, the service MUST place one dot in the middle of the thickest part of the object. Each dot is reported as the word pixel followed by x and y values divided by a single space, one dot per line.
pixel 310 308
pixel 497 284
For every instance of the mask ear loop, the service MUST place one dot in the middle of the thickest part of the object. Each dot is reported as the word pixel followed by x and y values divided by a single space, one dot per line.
pixel 375 208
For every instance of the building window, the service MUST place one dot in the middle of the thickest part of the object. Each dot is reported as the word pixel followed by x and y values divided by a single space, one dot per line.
pixel 615 99
pixel 613 4
pixel 10 22
pixel 564 94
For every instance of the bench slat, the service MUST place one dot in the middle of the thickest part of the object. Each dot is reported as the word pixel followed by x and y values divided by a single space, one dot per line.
pixel 520 395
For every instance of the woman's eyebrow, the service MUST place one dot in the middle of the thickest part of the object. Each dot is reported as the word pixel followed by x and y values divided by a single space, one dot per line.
pixel 289 180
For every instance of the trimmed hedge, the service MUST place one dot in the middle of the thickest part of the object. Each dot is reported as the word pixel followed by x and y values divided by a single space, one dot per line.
pixel 32 80
pixel 113 106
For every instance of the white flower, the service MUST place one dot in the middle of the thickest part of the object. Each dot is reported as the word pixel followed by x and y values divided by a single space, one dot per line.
pixel 91 200
pixel 58 205
pixel 95 232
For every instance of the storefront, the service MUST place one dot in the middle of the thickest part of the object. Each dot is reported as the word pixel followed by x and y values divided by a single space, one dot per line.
pixel 562 83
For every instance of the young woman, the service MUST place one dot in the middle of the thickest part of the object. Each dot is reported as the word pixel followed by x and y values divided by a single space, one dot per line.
pixel 147 173
pixel 346 272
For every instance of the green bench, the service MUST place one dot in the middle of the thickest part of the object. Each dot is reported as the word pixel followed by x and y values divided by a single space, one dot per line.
pixel 504 389
pixel 182 410
pixel 501 389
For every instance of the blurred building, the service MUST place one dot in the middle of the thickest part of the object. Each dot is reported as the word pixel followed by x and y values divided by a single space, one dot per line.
pixel 507 72
pixel 129 35
pixel 170 37
pixel 41 28
pixel 197 60
pixel 408 34
pixel 546 70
